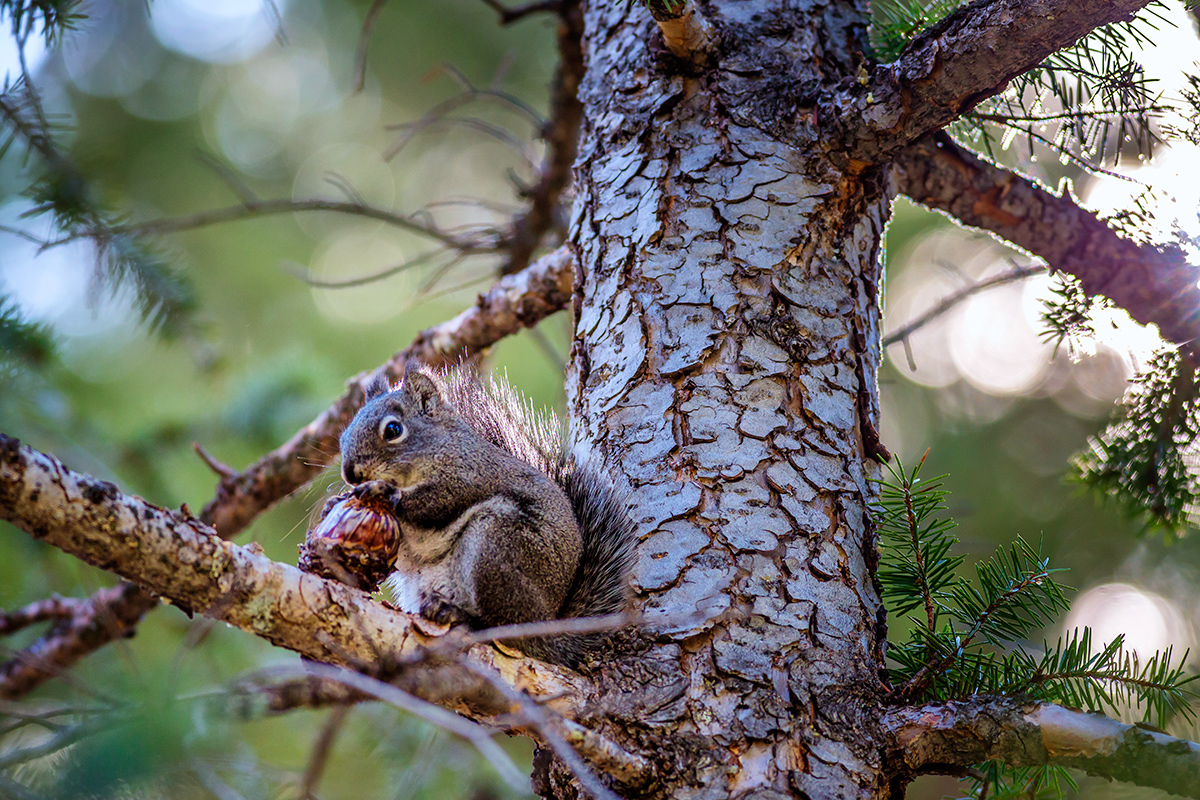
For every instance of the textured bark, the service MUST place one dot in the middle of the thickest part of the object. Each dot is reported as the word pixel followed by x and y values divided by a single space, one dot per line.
pixel 1155 284
pixel 727 339
pixel 946 737
pixel 957 64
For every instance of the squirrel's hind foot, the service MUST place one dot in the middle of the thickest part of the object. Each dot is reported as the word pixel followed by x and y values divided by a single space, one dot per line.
pixel 436 608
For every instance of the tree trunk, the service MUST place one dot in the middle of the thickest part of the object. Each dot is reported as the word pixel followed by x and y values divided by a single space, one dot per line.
pixel 724 365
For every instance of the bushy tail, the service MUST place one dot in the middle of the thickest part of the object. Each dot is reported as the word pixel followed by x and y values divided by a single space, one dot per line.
pixel 601 584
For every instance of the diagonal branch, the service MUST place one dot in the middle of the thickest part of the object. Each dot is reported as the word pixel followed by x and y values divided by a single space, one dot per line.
pixel 517 301
pixel 955 65
pixel 1017 273
pixel 1155 284
pixel 180 558
pixel 949 737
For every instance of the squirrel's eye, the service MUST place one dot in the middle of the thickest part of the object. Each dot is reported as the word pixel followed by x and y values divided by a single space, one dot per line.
pixel 392 430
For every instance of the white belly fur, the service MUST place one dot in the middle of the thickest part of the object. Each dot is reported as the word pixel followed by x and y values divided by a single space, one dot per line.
pixel 406 593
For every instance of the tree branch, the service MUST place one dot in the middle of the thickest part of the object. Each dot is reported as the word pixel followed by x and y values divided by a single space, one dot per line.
pixel 511 15
pixel 106 616
pixel 955 65
pixel 1155 284
pixel 180 558
pixel 251 209
pixel 946 738
pixel 562 136
pixel 517 301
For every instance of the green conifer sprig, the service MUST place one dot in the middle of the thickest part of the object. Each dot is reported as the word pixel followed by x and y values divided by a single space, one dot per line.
pixel 164 300
pixel 972 638
pixel 916 567
pixel 1067 314
pixel 53 17
pixel 22 342
pixel 997 781
pixel 895 23
pixel 1145 459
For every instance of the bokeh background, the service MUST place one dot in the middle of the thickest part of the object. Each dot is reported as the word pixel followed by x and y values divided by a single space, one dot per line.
pixel 181 106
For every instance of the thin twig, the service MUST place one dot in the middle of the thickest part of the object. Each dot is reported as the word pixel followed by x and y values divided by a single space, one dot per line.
pixel 549 627
pixel 476 734
pixel 364 39
pixel 510 15
pixel 562 139
pixel 469 94
pixel 228 177
pixel 212 781
pixel 262 208
pixel 300 273
pixel 222 470
pixel 951 300
pixel 320 753
pixel 547 725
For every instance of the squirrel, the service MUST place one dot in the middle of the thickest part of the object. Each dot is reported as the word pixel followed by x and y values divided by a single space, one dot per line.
pixel 499 523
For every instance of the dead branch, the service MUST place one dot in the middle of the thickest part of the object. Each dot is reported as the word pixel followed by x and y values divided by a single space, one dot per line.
pixel 546 726
pixel 106 616
pixel 254 696
pixel 941 738
pixel 476 734
pixel 364 40
pixel 320 752
pixel 469 94
pixel 1155 284
pixel 562 135
pixel 517 301
pixel 40 611
pixel 955 65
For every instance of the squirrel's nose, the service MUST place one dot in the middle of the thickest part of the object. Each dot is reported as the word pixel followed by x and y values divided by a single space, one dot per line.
pixel 350 473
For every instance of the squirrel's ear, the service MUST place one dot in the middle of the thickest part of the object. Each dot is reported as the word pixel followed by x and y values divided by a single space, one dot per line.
pixel 380 385
pixel 421 388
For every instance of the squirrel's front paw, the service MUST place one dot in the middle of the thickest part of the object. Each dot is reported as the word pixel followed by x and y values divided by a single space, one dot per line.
pixel 379 492
pixel 443 612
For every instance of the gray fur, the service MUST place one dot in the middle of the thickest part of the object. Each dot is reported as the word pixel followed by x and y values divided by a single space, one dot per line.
pixel 499 524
